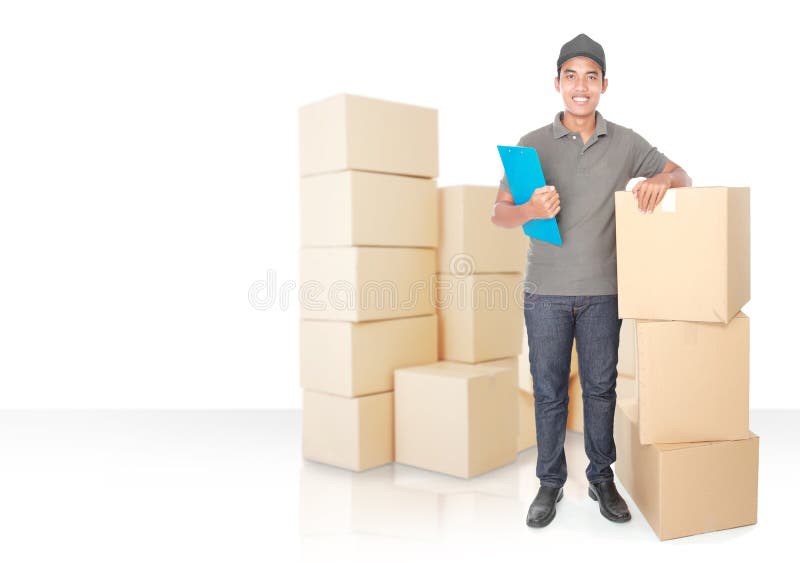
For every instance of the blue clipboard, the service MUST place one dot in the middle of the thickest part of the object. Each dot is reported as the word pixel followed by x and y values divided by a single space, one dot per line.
pixel 524 175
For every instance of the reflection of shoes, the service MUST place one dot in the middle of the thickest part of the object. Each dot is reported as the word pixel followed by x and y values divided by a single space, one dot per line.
pixel 543 508
pixel 612 505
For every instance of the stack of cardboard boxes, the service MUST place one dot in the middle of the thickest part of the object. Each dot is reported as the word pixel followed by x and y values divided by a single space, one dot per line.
pixel 685 452
pixel 461 415
pixel 367 263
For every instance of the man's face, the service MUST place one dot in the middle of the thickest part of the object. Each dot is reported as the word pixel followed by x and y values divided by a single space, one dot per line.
pixel 580 85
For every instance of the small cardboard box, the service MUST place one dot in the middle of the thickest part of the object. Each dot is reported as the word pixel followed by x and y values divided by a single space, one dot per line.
pixel 365 283
pixel 352 433
pixel 692 379
pixel 355 359
pixel 480 316
pixel 348 132
pixel 687 488
pixel 526 437
pixel 469 243
pixel 688 260
pixel 455 418
pixel 354 208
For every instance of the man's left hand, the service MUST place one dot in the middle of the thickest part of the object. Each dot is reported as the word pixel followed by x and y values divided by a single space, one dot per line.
pixel 650 192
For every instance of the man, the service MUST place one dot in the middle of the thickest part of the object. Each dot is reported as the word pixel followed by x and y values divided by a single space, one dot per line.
pixel 571 290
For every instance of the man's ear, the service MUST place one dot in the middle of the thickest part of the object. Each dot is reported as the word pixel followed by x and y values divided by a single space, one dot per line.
pixel 605 86
pixel 557 84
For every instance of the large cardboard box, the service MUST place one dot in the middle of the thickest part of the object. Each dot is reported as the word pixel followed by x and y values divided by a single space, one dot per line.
pixel 469 243
pixel 352 433
pixel 687 488
pixel 362 283
pixel 355 208
pixel 625 384
pixel 480 316
pixel 355 359
pixel 455 418
pixel 692 378
pixel 348 132
pixel 688 260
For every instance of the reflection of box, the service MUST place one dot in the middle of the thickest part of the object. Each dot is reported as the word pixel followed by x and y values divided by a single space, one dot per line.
pixel 687 488
pixel 360 133
pixel 455 418
pixel 335 501
pixel 366 283
pixel 353 433
pixel 354 359
pixel 480 316
pixel 693 379
pixel 355 208
pixel 625 384
pixel 469 243
pixel 689 259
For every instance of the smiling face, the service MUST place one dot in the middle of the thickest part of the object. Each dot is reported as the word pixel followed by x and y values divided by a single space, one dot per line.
pixel 580 85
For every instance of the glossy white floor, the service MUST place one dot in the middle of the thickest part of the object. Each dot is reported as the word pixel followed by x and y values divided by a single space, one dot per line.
pixel 232 486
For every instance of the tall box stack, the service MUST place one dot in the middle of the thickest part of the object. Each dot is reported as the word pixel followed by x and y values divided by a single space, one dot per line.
pixel 685 452
pixel 369 229
pixel 465 415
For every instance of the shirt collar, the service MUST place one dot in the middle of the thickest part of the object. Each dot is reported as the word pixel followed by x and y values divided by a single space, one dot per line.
pixel 559 130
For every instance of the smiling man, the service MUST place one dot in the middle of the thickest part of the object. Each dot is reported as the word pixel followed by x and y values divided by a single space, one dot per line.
pixel 571 290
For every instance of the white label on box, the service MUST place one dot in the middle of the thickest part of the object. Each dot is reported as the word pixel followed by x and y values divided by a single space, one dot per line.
pixel 668 201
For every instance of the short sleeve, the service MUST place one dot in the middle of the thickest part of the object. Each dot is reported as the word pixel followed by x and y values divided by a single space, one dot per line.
pixel 504 181
pixel 647 160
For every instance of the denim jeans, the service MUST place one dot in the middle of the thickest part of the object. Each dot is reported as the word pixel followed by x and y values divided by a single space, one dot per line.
pixel 552 321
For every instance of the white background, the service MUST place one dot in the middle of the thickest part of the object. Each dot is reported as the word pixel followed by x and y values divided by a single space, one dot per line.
pixel 148 166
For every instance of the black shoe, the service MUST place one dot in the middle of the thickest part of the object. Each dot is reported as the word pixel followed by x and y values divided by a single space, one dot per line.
pixel 543 508
pixel 612 505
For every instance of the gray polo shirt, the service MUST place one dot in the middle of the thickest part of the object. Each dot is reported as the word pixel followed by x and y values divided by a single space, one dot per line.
pixel 586 177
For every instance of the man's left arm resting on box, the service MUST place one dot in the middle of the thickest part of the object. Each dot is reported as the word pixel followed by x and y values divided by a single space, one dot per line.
pixel 650 192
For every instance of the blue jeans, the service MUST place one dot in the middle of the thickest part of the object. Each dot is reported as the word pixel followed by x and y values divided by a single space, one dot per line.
pixel 552 321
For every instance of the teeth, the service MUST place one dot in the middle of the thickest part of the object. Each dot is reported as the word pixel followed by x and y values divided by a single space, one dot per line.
pixel 581 99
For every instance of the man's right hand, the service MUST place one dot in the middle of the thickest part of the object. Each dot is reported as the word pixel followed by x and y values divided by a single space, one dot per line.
pixel 544 203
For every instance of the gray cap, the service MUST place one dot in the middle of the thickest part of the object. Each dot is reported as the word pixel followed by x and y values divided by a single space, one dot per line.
pixel 582 46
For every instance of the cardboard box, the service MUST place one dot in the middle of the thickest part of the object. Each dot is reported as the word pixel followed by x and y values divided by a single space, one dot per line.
pixel 480 316
pixel 525 377
pixel 693 379
pixel 354 208
pixel 362 283
pixel 469 243
pixel 347 132
pixel 624 387
pixel 455 418
pixel 352 433
pixel 687 488
pixel 502 482
pixel 688 260
pixel 526 436
pixel 356 359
